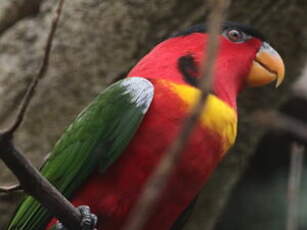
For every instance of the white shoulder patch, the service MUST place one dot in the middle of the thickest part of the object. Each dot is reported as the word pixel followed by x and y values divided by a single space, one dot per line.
pixel 140 90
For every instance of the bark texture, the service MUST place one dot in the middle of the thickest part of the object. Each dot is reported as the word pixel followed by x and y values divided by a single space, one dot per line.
pixel 98 41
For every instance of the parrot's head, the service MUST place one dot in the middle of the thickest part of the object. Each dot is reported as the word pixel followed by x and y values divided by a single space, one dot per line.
pixel 244 59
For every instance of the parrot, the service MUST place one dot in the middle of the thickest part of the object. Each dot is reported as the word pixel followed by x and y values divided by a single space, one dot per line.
pixel 104 158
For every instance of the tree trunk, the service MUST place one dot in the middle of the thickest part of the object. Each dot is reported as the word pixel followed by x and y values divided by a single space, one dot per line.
pixel 98 41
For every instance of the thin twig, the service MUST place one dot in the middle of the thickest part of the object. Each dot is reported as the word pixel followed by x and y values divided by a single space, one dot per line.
pixel 39 187
pixel 10 188
pixel 42 72
pixel 158 180
pixel 276 120
pixel 298 129
pixel 295 176
pixel 29 177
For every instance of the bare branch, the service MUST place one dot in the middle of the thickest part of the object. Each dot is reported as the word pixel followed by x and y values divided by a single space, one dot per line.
pixel 298 129
pixel 295 176
pixel 43 69
pixel 158 180
pixel 29 177
pixel 37 186
pixel 276 120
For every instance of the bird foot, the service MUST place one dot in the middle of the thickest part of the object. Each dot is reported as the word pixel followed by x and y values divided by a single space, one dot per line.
pixel 88 221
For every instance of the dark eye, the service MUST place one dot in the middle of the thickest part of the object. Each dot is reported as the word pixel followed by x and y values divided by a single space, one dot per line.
pixel 236 35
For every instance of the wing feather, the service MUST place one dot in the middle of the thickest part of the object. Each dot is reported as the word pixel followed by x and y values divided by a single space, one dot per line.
pixel 96 138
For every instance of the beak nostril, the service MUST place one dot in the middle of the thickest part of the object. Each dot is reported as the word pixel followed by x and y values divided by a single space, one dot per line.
pixel 266 47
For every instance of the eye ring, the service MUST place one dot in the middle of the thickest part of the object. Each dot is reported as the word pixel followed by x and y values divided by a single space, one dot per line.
pixel 235 35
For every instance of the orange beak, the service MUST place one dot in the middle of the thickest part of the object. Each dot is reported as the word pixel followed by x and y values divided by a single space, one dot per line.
pixel 266 67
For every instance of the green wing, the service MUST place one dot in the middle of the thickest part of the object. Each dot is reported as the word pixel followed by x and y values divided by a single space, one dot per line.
pixel 96 138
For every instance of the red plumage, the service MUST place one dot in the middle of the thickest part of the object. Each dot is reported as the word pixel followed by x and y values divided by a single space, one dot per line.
pixel 112 195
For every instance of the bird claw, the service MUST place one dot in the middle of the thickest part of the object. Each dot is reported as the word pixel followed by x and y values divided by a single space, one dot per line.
pixel 88 221
pixel 59 226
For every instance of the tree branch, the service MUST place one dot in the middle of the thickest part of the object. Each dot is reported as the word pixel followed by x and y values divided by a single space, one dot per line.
pixel 42 72
pixel 29 177
pixel 276 120
pixel 37 186
pixel 157 182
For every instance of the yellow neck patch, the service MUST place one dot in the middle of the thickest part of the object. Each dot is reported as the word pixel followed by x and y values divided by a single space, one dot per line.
pixel 216 115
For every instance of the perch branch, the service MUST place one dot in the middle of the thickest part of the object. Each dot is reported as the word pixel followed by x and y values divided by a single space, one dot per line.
pixel 158 180
pixel 29 177
pixel 37 186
